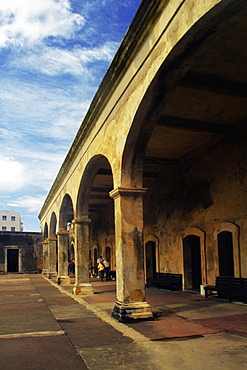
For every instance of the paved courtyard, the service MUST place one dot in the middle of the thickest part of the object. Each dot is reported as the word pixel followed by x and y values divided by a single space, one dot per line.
pixel 44 326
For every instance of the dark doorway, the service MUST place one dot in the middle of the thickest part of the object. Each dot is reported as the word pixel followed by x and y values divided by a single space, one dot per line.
pixel 192 262
pixel 56 256
pixel 108 253
pixel 71 252
pixel 150 260
pixel 225 254
pixel 95 257
pixel 12 260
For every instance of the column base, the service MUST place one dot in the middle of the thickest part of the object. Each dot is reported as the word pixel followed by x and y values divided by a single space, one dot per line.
pixel 63 280
pixel 51 275
pixel 132 311
pixel 83 289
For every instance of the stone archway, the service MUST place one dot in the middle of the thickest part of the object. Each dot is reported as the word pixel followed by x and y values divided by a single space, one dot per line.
pixel 192 262
pixel 151 256
pixel 230 234
pixel 94 221
pixel 194 258
pixel 66 216
pixel 53 246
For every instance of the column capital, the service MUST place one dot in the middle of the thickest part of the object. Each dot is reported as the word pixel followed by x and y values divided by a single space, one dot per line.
pixel 121 191
pixel 62 232
pixel 81 221
pixel 52 239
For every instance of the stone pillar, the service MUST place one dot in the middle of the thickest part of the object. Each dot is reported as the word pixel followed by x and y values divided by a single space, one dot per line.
pixel 52 256
pixel 45 257
pixel 81 246
pixel 130 281
pixel 63 275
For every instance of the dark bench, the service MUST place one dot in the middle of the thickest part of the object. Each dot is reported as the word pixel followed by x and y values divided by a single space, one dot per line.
pixel 229 288
pixel 166 281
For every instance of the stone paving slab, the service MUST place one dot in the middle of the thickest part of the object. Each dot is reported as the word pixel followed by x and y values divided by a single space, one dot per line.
pixel 91 333
pixel 214 351
pixel 29 322
pixel 16 291
pixel 58 300
pixel 171 327
pixel 14 288
pixel 99 298
pixel 23 308
pixel 39 353
pixel 12 299
pixel 210 308
pixel 120 356
pixel 236 324
pixel 70 312
pixel 161 296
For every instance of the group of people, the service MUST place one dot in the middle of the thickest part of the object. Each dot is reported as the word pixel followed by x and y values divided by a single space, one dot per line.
pixel 103 269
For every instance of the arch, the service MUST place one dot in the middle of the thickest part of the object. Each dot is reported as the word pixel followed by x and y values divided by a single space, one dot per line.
pixel 53 245
pixel 97 166
pixel 178 68
pixel 194 236
pixel 66 213
pixel 234 230
pixel 94 203
pixel 108 251
pixel 53 225
pixel 45 231
pixel 151 255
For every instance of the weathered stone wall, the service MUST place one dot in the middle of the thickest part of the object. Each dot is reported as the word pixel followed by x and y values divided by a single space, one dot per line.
pixel 203 193
pixel 30 245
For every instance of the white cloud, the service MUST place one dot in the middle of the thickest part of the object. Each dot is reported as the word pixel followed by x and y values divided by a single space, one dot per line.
pixel 30 203
pixel 12 175
pixel 28 21
pixel 54 61
pixel 29 109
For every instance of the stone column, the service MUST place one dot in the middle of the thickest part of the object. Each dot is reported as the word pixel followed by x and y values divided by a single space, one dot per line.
pixel 62 275
pixel 45 257
pixel 131 296
pixel 81 246
pixel 52 256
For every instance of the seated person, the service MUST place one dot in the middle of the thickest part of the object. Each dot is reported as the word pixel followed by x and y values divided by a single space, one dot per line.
pixel 113 274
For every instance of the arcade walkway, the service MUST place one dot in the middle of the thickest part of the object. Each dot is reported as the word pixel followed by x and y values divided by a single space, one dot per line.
pixel 43 326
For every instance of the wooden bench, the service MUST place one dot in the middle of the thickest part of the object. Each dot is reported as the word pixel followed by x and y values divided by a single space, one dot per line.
pixel 229 288
pixel 166 281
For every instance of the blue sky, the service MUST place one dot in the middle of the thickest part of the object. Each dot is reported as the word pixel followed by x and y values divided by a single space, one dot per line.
pixel 53 56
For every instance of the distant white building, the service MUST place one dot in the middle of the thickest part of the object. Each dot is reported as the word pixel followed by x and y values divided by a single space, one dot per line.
pixel 10 221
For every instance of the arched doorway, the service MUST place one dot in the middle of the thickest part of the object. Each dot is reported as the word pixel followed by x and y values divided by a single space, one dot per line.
pixel 192 262
pixel 108 253
pixel 150 259
pixel 225 253
pixel 64 235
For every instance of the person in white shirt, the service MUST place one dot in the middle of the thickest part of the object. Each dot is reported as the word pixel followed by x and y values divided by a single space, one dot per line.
pixel 107 269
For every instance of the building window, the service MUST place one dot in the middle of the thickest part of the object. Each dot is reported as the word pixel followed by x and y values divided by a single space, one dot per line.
pixel 4 218
pixel 12 228
pixel 4 228
pixel 12 218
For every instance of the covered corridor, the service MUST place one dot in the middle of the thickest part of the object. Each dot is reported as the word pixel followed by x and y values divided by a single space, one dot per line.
pixel 156 176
